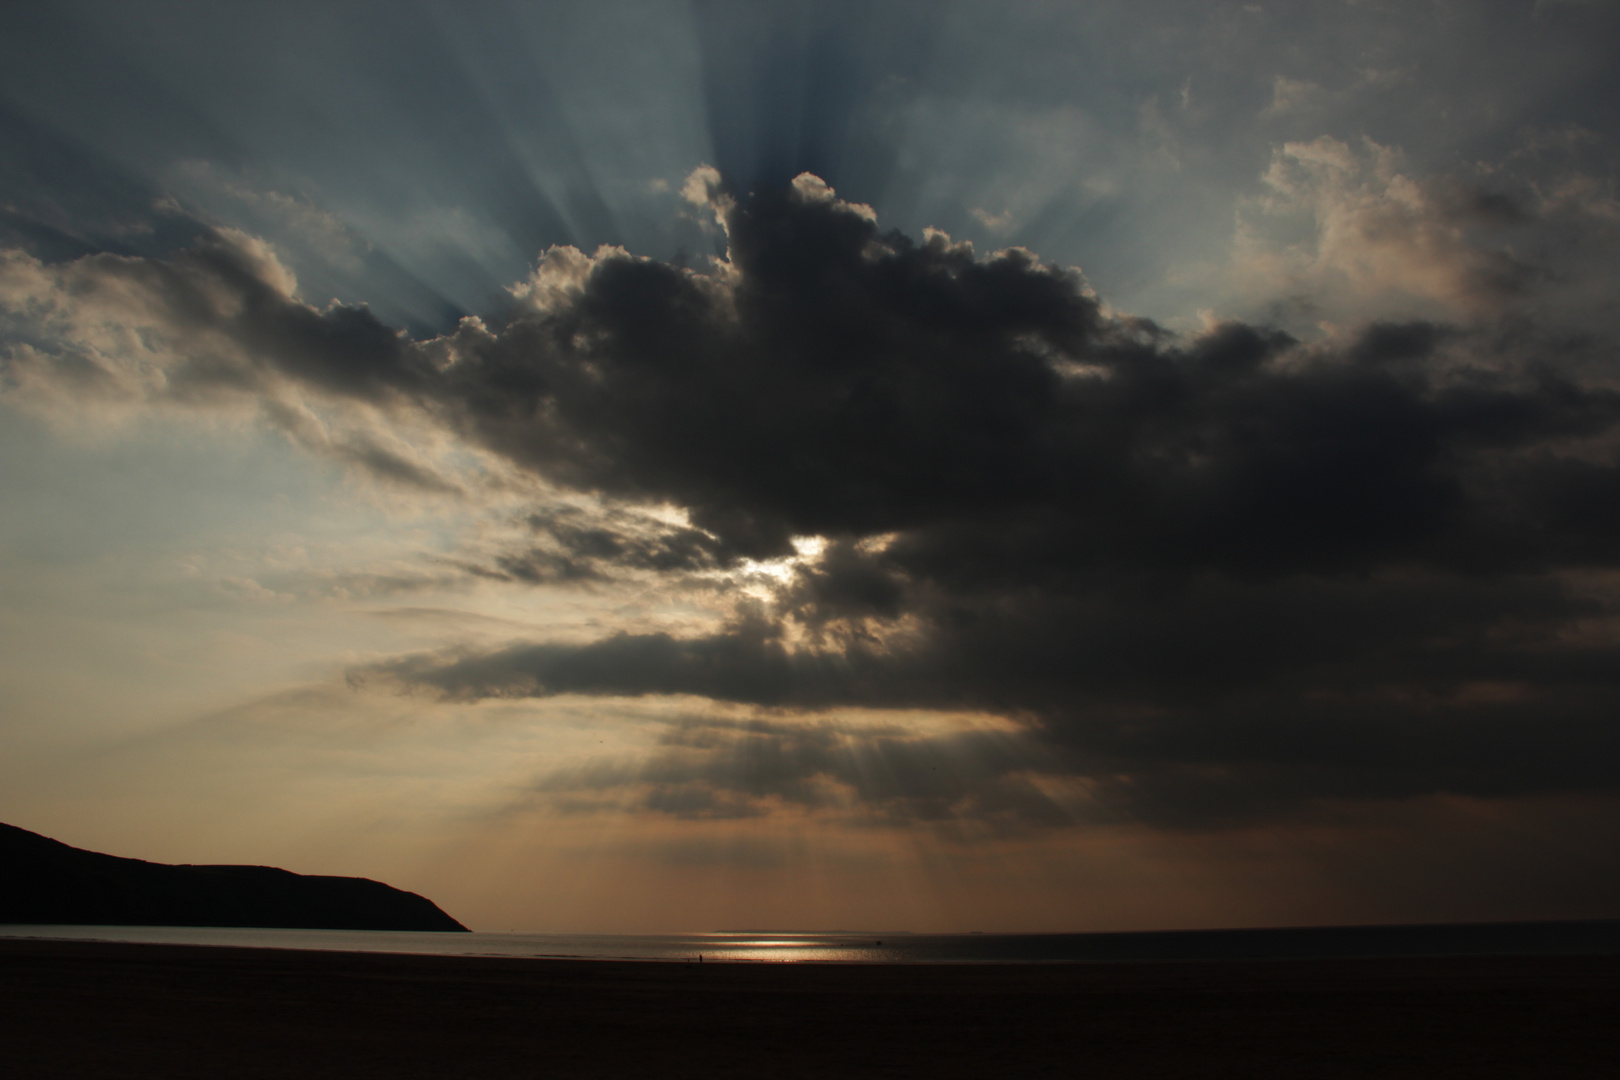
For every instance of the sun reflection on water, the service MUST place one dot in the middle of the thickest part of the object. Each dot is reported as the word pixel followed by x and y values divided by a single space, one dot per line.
pixel 787 948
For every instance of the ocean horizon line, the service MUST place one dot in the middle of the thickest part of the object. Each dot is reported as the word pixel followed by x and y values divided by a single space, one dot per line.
pixel 1516 938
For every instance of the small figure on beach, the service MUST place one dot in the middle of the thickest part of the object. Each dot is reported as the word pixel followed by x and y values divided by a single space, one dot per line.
pixel 700 958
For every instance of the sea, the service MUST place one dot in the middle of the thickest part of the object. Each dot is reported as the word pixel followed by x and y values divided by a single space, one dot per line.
pixel 1596 937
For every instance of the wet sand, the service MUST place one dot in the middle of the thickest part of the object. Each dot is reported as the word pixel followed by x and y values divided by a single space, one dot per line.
pixel 87 1009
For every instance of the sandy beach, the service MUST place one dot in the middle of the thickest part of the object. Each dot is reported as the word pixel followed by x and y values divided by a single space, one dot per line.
pixel 81 1010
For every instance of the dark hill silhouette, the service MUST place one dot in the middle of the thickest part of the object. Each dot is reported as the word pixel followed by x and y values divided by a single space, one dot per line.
pixel 45 881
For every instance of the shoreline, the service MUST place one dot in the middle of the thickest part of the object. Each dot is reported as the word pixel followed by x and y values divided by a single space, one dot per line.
pixel 88 1009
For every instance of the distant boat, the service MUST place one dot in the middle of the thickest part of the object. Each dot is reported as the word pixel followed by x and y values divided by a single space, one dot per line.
pixel 50 883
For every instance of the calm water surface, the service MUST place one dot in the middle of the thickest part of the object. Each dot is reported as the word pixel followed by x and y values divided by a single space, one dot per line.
pixel 1547 938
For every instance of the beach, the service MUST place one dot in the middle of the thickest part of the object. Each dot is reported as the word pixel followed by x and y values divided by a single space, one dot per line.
pixel 100 1009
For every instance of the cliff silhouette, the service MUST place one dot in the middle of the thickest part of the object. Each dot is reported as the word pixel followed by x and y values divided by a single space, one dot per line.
pixel 45 881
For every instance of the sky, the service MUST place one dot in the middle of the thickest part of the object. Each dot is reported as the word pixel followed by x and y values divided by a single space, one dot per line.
pixel 637 467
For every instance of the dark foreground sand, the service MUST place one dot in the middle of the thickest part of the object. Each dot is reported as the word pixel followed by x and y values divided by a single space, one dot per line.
pixel 81 1010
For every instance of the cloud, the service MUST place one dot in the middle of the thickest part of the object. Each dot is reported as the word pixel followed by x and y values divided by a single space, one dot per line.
pixel 829 378
pixel 1379 231
pixel 999 224
pixel 1211 577
pixel 217 318
pixel 1193 705
pixel 1294 95
pixel 581 545
pixel 59 199
pixel 963 782
pixel 216 329
pixel 1343 233
pixel 1227 574
pixel 292 217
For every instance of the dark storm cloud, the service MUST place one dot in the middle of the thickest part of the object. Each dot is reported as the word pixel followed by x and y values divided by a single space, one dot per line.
pixel 1181 704
pixel 581 546
pixel 708 769
pixel 850 383
pixel 1214 576
pixel 1217 577
pixel 343 350
pixel 747 663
